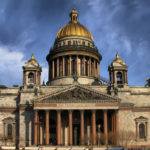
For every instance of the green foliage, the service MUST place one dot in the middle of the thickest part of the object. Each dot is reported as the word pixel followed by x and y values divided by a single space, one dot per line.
pixel 148 82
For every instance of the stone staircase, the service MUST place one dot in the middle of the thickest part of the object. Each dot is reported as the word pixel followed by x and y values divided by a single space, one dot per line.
pixel 59 148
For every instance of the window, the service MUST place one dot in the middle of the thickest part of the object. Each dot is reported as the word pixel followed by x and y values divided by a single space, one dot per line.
pixel 73 65
pixel 9 130
pixel 75 42
pixel 69 42
pixel 31 77
pixel 89 44
pixel 142 131
pixel 83 43
pixel 86 67
pixel 50 70
pixel 74 18
pixel 60 67
pixel 119 78
pixel 55 68
pixel 96 65
pixel 92 67
pixel 141 128
pixel 66 66
pixel 81 66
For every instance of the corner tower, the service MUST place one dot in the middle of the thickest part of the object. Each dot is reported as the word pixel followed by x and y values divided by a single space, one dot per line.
pixel 31 73
pixel 118 72
pixel 73 56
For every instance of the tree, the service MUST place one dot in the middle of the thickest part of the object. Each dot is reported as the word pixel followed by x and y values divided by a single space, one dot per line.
pixel 126 138
pixel 148 82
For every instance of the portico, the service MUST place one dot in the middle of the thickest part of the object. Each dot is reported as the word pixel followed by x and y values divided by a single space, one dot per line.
pixel 66 123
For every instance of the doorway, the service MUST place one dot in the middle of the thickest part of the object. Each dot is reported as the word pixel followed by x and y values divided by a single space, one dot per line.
pixel 76 134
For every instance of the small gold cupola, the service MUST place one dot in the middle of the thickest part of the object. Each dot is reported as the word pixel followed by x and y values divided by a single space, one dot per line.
pixel 118 59
pixel 32 60
pixel 74 16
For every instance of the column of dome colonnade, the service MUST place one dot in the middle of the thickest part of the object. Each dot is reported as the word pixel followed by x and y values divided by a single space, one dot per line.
pixel 94 141
pixel 73 54
pixel 74 65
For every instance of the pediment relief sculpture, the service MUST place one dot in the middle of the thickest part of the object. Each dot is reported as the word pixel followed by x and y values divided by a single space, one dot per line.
pixel 77 94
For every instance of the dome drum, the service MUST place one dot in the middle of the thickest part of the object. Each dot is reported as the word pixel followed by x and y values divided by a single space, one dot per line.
pixel 74 40
pixel 73 66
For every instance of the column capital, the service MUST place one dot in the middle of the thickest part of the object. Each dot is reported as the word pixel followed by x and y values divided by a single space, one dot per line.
pixel 70 111
pixel 47 111
pixel 58 111
pixel 81 111
pixel 105 110
pixel 116 110
pixel 93 111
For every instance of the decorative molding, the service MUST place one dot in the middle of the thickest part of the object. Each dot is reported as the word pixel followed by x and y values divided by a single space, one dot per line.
pixel 8 109
pixel 140 93
pixel 141 109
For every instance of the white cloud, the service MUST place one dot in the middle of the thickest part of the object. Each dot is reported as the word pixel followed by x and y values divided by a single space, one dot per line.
pixel 11 63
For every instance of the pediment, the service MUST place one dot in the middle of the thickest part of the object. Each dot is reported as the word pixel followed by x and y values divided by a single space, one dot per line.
pixel 76 94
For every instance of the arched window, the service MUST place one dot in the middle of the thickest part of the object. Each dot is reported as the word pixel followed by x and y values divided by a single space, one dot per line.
pixel 142 131
pixel 119 78
pixel 31 77
pixel 9 130
pixel 73 65
pixel 60 67
pixel 86 67
pixel 66 66
pixel 81 66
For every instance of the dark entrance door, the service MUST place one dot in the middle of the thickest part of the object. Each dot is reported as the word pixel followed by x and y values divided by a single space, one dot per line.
pixel 76 134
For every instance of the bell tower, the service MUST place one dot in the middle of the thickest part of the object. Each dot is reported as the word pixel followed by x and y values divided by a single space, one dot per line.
pixel 32 73
pixel 118 73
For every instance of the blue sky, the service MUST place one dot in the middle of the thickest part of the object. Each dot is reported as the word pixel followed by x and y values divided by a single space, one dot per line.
pixel 30 26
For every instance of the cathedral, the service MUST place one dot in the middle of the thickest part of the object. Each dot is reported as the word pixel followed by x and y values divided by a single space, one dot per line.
pixel 75 108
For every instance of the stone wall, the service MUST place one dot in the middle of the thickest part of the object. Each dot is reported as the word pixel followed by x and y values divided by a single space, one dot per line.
pixel 127 123
pixel 26 127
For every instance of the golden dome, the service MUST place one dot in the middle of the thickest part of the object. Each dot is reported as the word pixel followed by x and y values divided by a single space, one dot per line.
pixel 118 59
pixel 32 60
pixel 74 28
